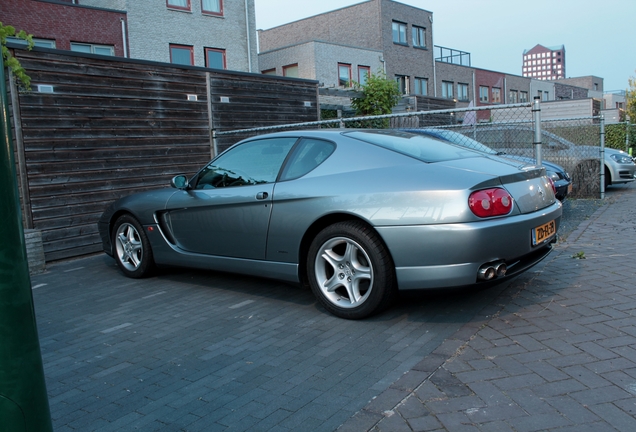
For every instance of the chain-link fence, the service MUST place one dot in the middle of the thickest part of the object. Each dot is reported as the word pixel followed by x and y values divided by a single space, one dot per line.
pixel 509 130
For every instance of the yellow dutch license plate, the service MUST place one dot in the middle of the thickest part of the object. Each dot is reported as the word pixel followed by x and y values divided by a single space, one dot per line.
pixel 543 233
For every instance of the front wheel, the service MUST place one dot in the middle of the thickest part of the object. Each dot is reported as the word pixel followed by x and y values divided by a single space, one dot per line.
pixel 131 248
pixel 350 271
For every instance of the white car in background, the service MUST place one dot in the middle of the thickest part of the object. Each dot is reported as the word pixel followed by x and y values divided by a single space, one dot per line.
pixel 517 140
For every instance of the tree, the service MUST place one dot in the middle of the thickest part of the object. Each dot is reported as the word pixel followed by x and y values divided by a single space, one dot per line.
pixel 630 100
pixel 11 62
pixel 379 96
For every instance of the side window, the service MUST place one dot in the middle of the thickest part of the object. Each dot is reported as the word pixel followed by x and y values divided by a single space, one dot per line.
pixel 308 155
pixel 251 163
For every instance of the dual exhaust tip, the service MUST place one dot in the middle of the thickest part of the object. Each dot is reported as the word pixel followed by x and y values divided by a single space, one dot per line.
pixel 492 271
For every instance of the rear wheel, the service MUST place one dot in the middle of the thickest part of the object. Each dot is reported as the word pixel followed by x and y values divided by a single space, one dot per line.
pixel 350 271
pixel 132 249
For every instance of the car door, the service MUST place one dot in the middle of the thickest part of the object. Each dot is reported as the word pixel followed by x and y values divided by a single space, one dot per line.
pixel 226 208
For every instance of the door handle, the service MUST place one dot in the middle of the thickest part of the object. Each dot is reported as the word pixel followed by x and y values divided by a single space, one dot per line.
pixel 262 195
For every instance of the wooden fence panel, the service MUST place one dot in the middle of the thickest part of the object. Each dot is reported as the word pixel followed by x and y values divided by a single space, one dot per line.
pixel 116 126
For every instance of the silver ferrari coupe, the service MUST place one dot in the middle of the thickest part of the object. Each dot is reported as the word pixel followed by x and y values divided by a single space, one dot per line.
pixel 355 214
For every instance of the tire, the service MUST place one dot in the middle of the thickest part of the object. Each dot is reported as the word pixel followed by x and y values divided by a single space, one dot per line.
pixel 350 271
pixel 608 178
pixel 131 248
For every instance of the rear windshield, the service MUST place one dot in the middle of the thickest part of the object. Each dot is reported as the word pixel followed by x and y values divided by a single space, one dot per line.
pixel 426 149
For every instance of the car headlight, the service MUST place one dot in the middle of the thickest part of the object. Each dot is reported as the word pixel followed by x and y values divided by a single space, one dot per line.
pixel 622 158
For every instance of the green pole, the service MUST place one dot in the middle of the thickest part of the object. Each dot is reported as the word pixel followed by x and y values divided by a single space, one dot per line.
pixel 23 400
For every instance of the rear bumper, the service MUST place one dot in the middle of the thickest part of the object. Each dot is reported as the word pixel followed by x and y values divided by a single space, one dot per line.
pixel 439 256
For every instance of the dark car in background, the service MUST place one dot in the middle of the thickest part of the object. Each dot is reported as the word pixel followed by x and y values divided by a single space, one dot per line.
pixel 558 174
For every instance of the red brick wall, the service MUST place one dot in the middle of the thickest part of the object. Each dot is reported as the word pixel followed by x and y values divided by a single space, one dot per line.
pixel 64 23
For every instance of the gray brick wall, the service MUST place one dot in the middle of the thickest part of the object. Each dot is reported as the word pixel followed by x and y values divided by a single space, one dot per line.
pixel 406 60
pixel 589 82
pixel 319 60
pixel 152 27
pixel 457 74
pixel 518 83
pixel 355 25
pixel 366 26
pixel 564 91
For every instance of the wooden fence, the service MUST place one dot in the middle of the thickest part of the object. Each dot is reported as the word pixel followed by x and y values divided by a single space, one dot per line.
pixel 96 128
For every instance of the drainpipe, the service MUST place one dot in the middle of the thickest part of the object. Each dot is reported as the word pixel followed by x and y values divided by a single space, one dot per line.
pixel 430 18
pixel 123 36
pixel 249 47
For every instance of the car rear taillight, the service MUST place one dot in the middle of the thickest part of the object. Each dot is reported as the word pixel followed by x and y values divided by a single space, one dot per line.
pixel 490 202
pixel 552 184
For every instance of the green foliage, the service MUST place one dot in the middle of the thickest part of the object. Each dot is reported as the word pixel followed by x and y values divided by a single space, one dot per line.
pixel 615 135
pixel 379 96
pixel 579 255
pixel 630 98
pixel 11 62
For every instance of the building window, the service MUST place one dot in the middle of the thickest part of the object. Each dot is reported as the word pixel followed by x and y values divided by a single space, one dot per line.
pixel 344 75
pixel 513 96
pixel 546 96
pixel 447 89
pixel 419 37
pixel 215 58
pixel 399 33
pixel 291 70
pixel 179 4
pixel 496 95
pixel 43 43
pixel 403 83
pixel 108 50
pixel 462 92
pixel 269 71
pixel 212 7
pixel 364 72
pixel 421 86
pixel 483 94
pixel 523 97
pixel 181 54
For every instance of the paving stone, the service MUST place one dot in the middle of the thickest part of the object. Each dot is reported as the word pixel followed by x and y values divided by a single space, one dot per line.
pixel 551 350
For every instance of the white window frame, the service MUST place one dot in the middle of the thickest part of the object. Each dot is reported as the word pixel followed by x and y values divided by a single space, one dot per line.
pixel 92 48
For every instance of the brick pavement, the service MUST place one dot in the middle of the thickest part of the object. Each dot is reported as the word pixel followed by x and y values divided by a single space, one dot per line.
pixel 556 351
pixel 204 351
pixel 189 350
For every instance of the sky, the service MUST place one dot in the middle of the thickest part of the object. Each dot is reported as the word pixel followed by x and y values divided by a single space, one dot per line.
pixel 599 36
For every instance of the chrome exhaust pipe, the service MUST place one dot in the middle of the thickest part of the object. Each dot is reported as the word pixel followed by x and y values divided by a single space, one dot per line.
pixel 491 271
pixel 486 273
pixel 501 269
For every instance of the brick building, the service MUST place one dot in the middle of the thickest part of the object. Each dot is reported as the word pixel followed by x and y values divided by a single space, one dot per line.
pixel 544 63
pixel 355 41
pixel 62 25
pixel 214 33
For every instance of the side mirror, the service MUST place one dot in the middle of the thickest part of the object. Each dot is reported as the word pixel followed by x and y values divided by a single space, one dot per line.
pixel 179 182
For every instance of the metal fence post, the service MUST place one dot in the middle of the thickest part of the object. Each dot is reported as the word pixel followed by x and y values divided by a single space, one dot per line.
pixel 627 135
pixel 23 400
pixel 215 147
pixel 536 117
pixel 602 158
